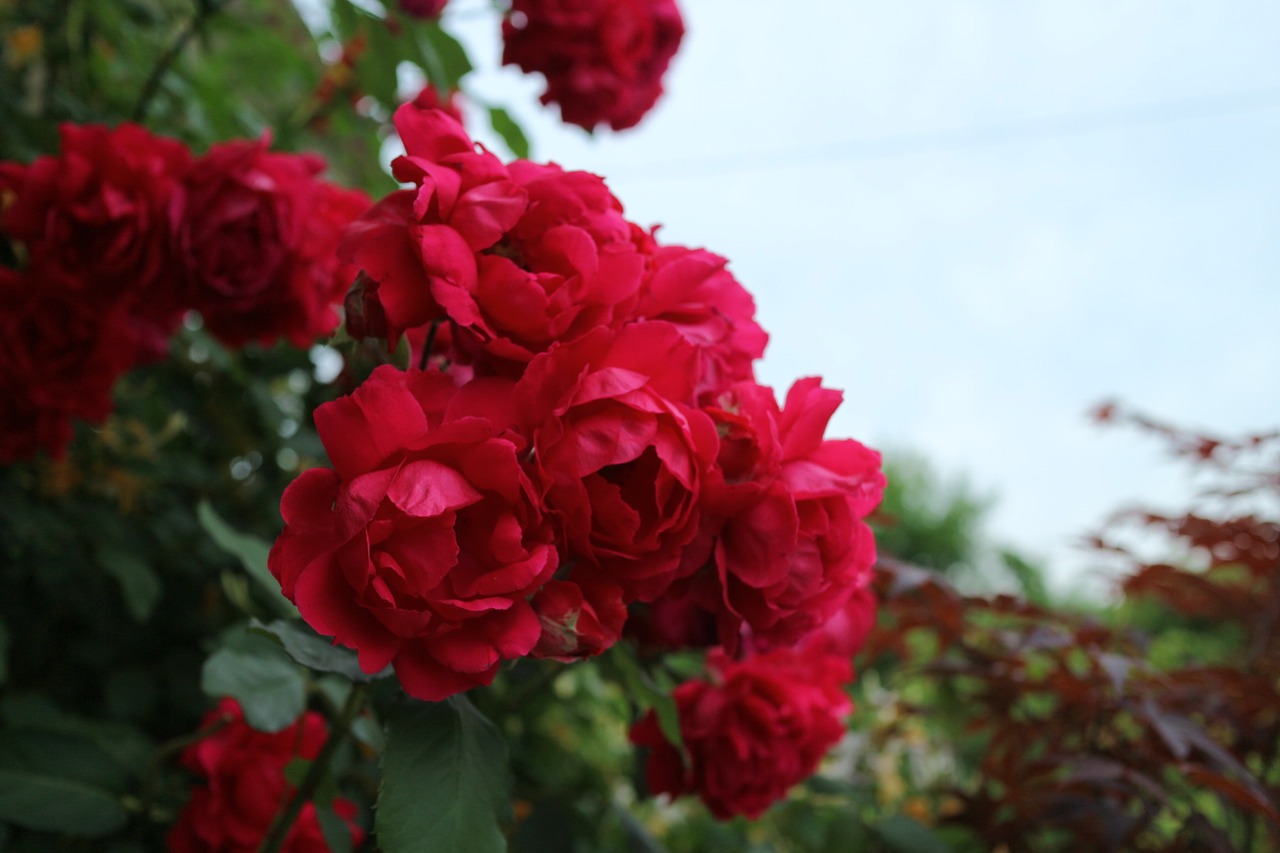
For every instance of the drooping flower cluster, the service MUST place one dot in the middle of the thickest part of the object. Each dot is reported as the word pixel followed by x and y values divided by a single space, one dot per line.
pixel 578 449
pixel 244 784
pixel 603 61
pixel 109 242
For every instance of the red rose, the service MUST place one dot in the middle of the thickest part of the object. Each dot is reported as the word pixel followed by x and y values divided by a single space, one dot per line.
pixel 423 8
pixel 244 786
pixel 255 233
pixel 752 731
pixel 619 455
pixel 421 546
pixel 59 358
pixel 693 290
pixel 603 61
pixel 518 257
pixel 415 243
pixel 784 525
pixel 95 215
pixel 567 266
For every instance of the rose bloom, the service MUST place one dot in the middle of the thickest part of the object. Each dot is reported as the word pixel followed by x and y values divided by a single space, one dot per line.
pixel 783 544
pixel 754 729
pixel 603 61
pixel 620 457
pixel 255 233
pixel 517 257
pixel 421 546
pixel 59 358
pixel 95 215
pixel 244 785
pixel 693 290
pixel 567 266
pixel 416 244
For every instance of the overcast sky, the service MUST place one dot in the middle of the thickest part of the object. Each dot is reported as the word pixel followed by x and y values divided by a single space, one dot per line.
pixel 978 218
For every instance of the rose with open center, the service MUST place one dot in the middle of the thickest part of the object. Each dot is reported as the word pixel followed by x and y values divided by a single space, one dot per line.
pixel 620 456
pixel 421 546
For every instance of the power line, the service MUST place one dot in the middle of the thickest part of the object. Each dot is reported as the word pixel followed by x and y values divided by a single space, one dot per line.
pixel 957 139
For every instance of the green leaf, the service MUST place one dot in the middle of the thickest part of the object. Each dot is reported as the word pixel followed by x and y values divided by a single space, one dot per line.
pixel 444 780
pixel 904 835
pixel 138 581
pixel 335 831
pixel 252 553
pixel 126 750
pixel 505 126
pixel 377 69
pixel 256 672
pixel 55 781
pixel 316 652
pixel 442 57
pixel 40 800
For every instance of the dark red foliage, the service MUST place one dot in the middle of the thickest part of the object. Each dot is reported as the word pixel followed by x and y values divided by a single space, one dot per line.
pixel 1089 746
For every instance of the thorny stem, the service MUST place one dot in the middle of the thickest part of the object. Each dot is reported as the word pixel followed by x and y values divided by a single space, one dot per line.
pixel 338 733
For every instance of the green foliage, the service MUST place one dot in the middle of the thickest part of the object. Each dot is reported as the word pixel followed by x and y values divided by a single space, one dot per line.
pixel 444 780
pixel 256 672
pixel 926 520
pixel 511 134
pixel 252 553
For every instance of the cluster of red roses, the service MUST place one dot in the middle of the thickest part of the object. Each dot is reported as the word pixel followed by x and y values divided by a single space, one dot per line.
pixel 113 239
pixel 244 785
pixel 583 450
pixel 603 61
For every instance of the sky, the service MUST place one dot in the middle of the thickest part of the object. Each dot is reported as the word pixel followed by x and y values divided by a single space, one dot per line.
pixel 979 219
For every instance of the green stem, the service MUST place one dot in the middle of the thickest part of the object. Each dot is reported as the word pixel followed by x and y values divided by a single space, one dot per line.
pixel 338 734
pixel 204 10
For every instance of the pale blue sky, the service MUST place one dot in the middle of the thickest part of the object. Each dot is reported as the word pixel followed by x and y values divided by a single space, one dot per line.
pixel 978 218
